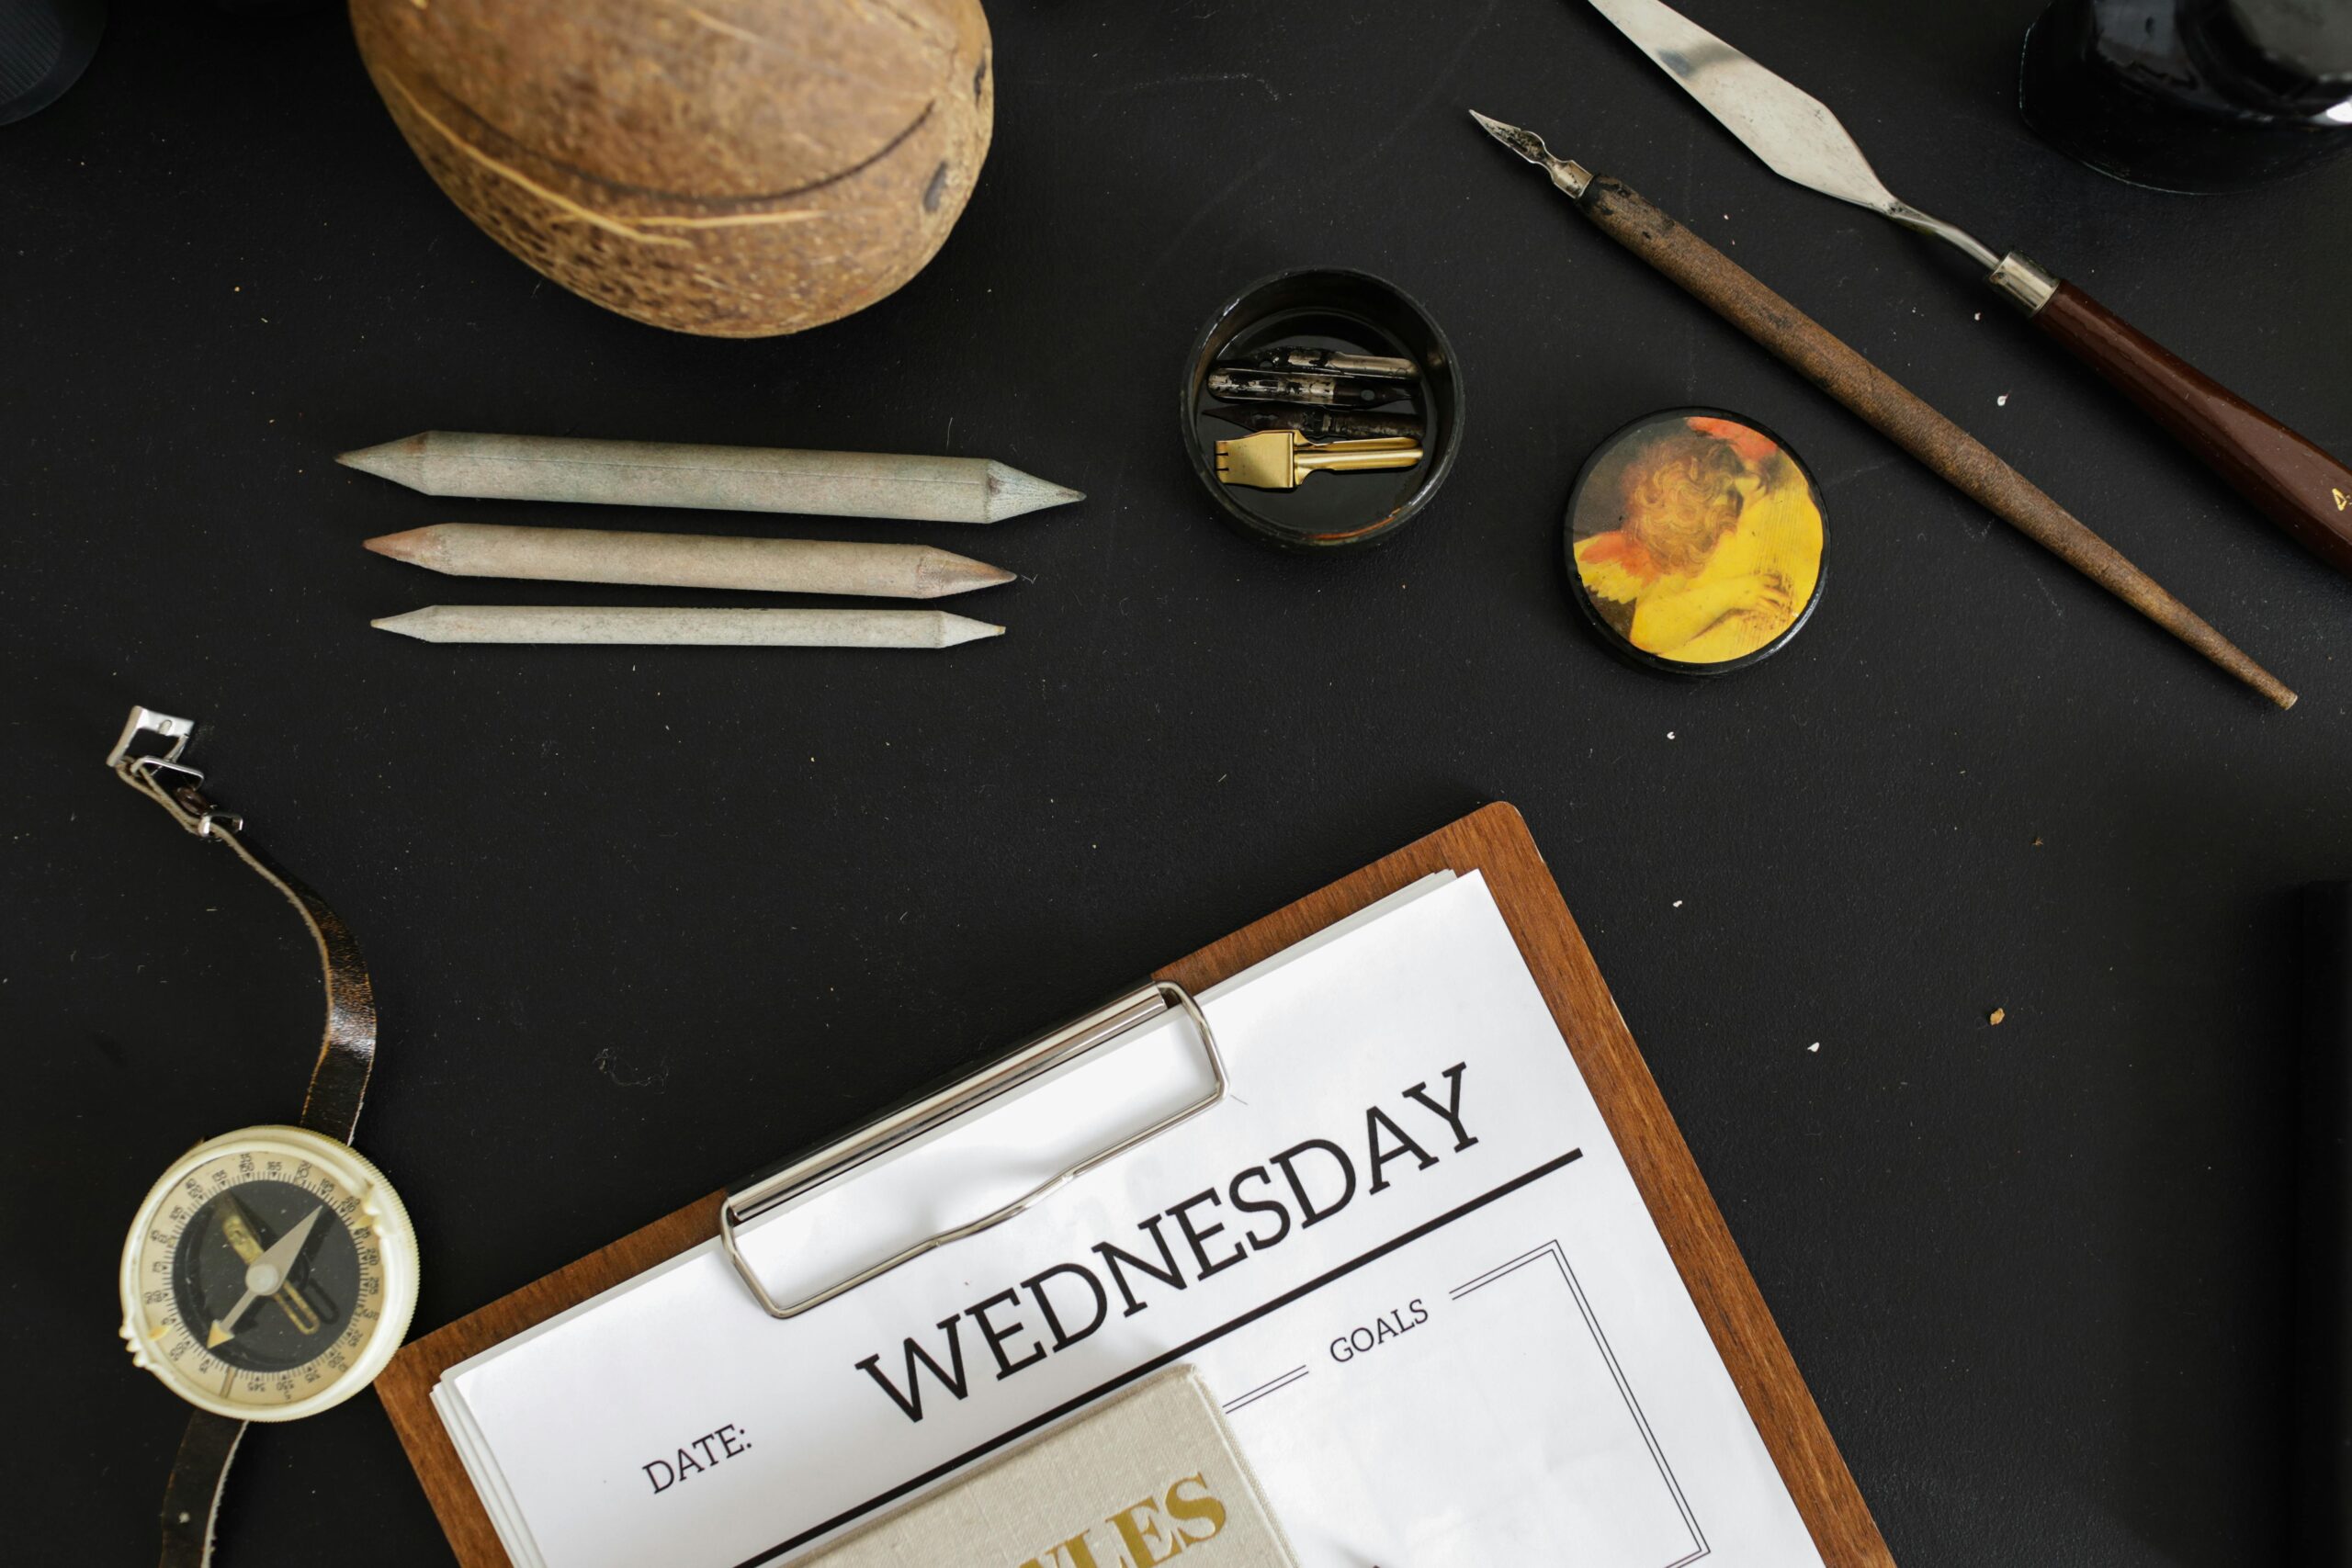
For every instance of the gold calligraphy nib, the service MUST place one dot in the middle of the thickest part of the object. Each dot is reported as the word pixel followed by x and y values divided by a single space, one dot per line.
pixel 1281 459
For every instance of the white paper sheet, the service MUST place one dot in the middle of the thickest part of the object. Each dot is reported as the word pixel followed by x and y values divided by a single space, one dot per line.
pixel 1483 1355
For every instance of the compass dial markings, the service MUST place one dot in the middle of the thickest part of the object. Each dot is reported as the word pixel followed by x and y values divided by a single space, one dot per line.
pixel 339 1279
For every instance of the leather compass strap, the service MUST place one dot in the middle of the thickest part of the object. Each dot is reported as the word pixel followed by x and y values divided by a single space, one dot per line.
pixel 193 1496
pixel 347 1049
pixel 338 1078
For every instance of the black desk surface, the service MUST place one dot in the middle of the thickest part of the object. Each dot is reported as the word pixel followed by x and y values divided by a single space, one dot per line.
pixel 640 920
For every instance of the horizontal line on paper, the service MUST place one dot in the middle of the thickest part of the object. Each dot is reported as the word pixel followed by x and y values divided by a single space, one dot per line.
pixel 1164 1359
pixel 1263 1389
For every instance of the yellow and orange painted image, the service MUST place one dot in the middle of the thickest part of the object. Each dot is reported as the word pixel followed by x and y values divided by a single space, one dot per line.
pixel 1697 539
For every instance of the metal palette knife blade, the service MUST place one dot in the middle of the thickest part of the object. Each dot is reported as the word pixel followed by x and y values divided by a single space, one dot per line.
pixel 1792 131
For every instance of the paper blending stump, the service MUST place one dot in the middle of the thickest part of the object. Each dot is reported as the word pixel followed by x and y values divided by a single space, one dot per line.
pixel 1543 1278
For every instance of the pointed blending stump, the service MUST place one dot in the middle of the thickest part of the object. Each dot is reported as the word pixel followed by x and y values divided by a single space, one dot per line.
pixel 689 561
pixel 708 628
pixel 722 479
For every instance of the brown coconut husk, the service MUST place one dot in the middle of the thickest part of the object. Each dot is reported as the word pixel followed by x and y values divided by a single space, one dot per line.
pixel 737 168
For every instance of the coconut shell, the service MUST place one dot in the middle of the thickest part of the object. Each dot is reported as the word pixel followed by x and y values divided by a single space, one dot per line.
pixel 737 168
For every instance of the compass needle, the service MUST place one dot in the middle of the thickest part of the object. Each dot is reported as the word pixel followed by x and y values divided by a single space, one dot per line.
pixel 265 1276
pixel 236 1229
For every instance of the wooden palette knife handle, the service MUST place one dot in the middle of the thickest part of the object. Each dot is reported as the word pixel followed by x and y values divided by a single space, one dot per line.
pixel 2300 487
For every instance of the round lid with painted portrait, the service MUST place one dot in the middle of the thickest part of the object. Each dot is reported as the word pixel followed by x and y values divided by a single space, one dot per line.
pixel 1694 541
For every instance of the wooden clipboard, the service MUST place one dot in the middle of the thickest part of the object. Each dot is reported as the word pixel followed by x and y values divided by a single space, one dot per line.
pixel 1493 841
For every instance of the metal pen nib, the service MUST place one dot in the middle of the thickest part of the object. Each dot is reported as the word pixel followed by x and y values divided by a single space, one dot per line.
pixel 1567 173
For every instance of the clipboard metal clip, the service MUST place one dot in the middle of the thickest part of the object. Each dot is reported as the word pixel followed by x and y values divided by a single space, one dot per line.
pixel 1113 1020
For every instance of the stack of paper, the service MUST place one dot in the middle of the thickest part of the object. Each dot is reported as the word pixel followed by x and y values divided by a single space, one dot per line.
pixel 1404 1252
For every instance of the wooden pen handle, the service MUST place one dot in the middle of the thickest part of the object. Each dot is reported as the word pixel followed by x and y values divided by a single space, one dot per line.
pixel 1896 412
pixel 2303 489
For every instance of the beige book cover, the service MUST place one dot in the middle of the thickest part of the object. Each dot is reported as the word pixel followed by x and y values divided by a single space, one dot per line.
pixel 1131 1484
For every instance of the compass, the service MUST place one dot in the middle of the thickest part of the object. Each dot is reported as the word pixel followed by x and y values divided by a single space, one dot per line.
pixel 270 1275
pixel 271 1271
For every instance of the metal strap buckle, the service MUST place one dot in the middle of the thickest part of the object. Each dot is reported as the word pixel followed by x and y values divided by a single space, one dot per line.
pixel 174 731
pixel 1106 1023
pixel 143 770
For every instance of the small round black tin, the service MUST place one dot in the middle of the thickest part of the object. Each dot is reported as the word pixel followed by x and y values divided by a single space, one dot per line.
pixel 1694 541
pixel 1352 312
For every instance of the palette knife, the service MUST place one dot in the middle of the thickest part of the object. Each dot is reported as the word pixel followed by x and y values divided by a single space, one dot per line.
pixel 2303 489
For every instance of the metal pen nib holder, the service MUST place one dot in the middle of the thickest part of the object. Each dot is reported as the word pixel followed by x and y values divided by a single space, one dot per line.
pixel 1325 312
pixel 1110 1022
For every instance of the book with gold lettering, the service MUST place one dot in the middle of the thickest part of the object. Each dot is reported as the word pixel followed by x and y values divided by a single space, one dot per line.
pixel 1392 1182
pixel 1131 1484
